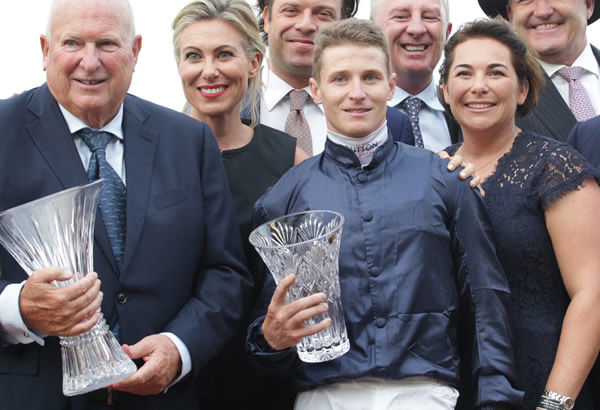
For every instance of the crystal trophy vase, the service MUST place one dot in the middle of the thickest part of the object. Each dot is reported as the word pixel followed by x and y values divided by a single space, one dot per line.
pixel 307 245
pixel 58 230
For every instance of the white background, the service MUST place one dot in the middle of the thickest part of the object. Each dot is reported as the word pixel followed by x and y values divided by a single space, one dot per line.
pixel 156 79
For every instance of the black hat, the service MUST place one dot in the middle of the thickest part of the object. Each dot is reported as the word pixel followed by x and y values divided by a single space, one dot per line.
pixel 494 7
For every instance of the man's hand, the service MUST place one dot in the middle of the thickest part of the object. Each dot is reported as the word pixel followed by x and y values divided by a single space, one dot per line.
pixel 283 326
pixel 66 311
pixel 467 171
pixel 162 363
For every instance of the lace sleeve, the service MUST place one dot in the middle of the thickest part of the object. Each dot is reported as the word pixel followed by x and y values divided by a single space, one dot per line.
pixel 563 171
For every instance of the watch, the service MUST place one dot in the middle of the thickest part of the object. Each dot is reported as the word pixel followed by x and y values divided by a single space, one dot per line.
pixel 553 401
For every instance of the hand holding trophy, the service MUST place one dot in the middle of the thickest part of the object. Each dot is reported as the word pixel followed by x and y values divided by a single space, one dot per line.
pixel 58 231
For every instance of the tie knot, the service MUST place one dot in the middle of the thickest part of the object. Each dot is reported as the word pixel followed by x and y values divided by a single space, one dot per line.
pixel 570 73
pixel 412 105
pixel 297 99
pixel 94 139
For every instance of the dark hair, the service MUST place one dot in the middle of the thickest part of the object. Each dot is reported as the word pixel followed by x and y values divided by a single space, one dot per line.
pixel 349 9
pixel 523 60
pixel 349 31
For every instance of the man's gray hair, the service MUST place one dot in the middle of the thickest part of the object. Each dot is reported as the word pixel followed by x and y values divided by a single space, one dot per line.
pixel 127 13
pixel 444 11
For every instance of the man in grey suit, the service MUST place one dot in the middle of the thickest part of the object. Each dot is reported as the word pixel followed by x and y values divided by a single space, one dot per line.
pixel 557 31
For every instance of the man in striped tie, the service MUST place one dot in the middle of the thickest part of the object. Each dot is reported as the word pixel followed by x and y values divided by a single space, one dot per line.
pixel 556 29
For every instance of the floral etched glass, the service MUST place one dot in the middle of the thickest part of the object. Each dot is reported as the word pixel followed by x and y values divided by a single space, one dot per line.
pixel 58 230
pixel 307 244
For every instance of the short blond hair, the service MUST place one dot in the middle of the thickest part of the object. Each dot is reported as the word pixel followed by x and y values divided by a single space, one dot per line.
pixel 350 31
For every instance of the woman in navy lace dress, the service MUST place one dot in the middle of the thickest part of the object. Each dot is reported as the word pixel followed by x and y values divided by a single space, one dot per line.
pixel 543 201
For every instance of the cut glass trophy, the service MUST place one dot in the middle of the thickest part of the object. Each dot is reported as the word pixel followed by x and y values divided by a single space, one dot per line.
pixel 58 230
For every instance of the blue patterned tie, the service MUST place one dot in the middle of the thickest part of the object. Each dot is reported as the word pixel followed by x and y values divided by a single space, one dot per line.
pixel 112 202
pixel 412 106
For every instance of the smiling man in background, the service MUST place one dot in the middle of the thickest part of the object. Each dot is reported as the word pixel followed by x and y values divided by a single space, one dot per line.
pixel 417 31
pixel 290 28
pixel 556 29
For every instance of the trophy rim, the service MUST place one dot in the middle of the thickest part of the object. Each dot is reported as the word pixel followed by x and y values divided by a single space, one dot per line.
pixel 309 211
pixel 34 202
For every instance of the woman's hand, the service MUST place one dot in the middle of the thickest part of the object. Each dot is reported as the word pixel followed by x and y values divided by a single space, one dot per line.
pixel 468 170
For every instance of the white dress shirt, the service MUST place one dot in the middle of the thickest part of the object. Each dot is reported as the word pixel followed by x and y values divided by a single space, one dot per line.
pixel 275 107
pixel 590 79
pixel 12 328
pixel 432 122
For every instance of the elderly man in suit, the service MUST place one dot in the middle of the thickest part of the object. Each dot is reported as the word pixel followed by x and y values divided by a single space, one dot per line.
pixel 556 29
pixel 417 31
pixel 177 287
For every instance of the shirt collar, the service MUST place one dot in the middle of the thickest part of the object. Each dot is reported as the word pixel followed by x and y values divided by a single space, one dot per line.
pixel 428 95
pixel 276 89
pixel 115 126
pixel 586 60
pixel 347 158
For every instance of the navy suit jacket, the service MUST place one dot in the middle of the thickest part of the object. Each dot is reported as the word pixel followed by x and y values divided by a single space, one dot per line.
pixel 399 126
pixel 585 138
pixel 183 269
pixel 552 116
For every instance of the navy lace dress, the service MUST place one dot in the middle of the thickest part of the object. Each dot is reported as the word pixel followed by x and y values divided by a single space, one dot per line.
pixel 536 172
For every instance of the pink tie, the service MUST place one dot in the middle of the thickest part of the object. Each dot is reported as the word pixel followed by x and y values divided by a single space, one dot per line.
pixel 296 124
pixel 579 102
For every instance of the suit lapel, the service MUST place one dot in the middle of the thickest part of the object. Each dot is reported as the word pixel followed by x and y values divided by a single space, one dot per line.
pixel 554 113
pixel 52 137
pixel 596 54
pixel 140 147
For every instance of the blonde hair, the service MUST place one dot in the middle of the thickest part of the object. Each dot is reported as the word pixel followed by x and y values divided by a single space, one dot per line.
pixel 349 31
pixel 240 15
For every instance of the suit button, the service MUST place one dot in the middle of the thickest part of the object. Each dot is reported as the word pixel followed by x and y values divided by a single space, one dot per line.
pixel 368 217
pixel 380 322
pixel 382 373
pixel 362 177
pixel 121 298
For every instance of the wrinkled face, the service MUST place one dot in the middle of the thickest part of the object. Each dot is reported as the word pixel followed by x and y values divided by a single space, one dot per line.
pixel 291 26
pixel 214 67
pixel 556 29
pixel 89 59
pixel 483 89
pixel 415 32
pixel 354 88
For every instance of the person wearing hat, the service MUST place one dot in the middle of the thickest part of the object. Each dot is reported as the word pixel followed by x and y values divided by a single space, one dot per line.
pixel 556 29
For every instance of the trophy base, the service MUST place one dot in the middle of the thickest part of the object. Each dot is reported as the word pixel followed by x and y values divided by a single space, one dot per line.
pixel 93 360
pixel 324 354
